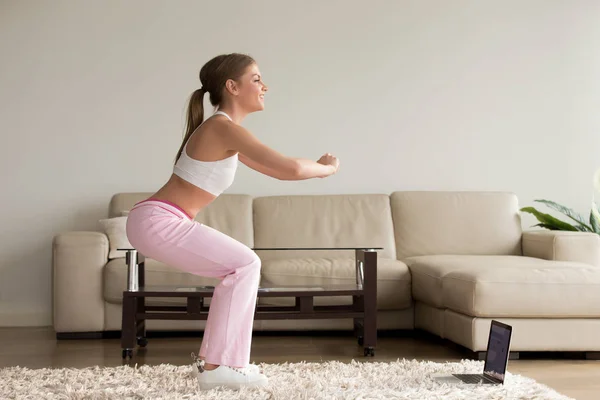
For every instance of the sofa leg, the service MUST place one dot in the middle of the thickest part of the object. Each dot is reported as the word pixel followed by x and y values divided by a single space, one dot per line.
pixel 79 335
pixel 592 355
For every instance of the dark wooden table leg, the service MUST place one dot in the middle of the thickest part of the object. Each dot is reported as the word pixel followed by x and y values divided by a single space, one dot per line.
pixel 358 306
pixel 140 329
pixel 367 264
pixel 140 334
pixel 358 301
pixel 128 325
pixel 132 330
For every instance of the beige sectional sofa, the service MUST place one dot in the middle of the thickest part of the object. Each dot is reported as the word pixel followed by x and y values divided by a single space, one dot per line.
pixel 452 262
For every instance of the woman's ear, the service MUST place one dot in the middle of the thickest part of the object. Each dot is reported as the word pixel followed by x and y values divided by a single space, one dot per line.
pixel 232 87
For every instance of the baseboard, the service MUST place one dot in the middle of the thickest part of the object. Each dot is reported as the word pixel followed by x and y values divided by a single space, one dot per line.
pixel 24 318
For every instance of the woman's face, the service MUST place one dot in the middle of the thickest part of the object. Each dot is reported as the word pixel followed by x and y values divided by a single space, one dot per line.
pixel 251 90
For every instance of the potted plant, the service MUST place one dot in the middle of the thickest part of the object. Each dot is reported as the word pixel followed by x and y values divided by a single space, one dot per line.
pixel 547 221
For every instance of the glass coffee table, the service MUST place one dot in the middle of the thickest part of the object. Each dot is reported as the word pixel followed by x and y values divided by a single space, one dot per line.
pixel 363 309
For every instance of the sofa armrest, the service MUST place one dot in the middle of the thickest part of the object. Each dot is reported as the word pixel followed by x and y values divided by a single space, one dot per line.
pixel 562 246
pixel 78 260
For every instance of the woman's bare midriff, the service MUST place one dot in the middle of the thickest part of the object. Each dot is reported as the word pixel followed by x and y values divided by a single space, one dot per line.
pixel 188 197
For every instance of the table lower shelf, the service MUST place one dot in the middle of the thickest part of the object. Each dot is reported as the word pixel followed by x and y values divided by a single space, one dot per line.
pixel 136 312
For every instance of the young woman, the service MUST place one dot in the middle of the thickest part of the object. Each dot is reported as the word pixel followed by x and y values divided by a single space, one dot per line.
pixel 163 227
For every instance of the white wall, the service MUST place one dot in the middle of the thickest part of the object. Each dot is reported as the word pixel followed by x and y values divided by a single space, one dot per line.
pixel 436 95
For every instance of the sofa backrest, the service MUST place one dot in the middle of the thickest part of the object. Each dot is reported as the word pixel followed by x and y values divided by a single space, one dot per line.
pixel 229 213
pixel 439 222
pixel 323 221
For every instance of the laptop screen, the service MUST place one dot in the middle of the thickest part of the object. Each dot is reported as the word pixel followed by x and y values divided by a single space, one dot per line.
pixel 497 353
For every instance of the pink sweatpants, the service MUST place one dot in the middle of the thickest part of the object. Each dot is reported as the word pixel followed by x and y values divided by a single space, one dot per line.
pixel 163 232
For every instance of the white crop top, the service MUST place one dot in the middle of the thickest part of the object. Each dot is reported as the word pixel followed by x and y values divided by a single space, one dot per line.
pixel 213 176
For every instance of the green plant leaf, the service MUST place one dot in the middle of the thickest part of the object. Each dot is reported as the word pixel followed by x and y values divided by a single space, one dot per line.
pixel 595 218
pixel 549 221
pixel 595 223
pixel 546 226
pixel 569 213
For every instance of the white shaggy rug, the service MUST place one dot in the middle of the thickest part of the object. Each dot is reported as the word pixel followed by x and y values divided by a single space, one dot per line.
pixel 401 379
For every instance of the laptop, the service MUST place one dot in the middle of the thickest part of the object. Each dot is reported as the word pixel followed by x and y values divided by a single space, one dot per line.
pixel 496 359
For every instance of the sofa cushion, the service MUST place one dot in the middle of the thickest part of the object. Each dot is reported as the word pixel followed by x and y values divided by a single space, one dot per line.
pixel 393 279
pixel 323 221
pixel 429 223
pixel 556 290
pixel 156 274
pixel 503 286
pixel 229 213
pixel 428 272
pixel 115 229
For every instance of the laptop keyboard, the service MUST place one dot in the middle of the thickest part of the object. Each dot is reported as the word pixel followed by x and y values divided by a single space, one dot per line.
pixel 471 378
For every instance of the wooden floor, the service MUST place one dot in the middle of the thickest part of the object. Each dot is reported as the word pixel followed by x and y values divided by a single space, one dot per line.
pixel 38 348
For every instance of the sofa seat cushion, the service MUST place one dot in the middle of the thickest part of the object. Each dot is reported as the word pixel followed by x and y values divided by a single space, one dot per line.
pixel 507 286
pixel 157 274
pixel 393 280
pixel 427 272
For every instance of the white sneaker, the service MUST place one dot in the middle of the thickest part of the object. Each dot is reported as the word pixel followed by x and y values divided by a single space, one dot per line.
pixel 251 372
pixel 198 365
pixel 233 378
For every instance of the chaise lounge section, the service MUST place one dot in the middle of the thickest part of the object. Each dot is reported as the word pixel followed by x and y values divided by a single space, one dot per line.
pixel 470 262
